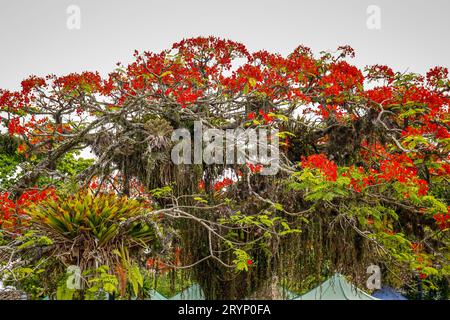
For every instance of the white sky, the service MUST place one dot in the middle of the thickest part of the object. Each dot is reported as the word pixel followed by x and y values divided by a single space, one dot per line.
pixel 34 38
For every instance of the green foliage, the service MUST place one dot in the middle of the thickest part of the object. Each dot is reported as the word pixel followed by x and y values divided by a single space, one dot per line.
pixel 71 166
pixel 100 282
pixel 9 159
pixel 380 217
pixel 397 244
pixel 241 260
pixel 29 239
pixel 161 192
pixel 133 273
pixel 63 292
pixel 316 187
pixel 31 278
pixel 104 226
pixel 99 216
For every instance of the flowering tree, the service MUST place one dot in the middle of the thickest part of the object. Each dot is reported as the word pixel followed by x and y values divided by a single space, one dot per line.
pixel 364 161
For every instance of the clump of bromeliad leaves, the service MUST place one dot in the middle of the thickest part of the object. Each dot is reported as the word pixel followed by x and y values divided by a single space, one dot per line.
pixel 363 179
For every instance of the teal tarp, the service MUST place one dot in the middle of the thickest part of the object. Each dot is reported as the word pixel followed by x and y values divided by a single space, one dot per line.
pixel 155 295
pixel 194 292
pixel 286 294
pixel 336 288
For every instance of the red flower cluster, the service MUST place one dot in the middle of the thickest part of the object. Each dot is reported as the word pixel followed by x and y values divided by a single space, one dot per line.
pixel 14 127
pixel 342 77
pixel 398 167
pixel 380 72
pixel 346 51
pixel 266 116
pixel 255 168
pixel 12 212
pixel 201 185
pixel 218 186
pixel 6 98
pixel 157 264
pixel 32 82
pixel 442 220
pixel 225 182
pixel 250 72
pixel 381 95
pixel 185 97
pixel 393 167
pixel 444 169
pixel 437 75
pixel 90 81
pixel 330 110
pixel 251 115
pixel 439 131
pixel 222 51
pixel 320 161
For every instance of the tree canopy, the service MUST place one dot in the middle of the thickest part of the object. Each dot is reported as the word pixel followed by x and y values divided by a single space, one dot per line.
pixel 363 175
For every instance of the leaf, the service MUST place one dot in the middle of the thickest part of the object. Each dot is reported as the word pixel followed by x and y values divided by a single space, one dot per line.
pixel 278 206
pixel 165 74
pixel 64 293
pixel 200 200
pixel 110 288
pixel 135 279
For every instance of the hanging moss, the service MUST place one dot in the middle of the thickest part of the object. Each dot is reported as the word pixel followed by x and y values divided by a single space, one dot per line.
pixel 297 261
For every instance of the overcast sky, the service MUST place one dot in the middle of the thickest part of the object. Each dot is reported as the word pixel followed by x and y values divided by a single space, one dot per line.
pixel 35 39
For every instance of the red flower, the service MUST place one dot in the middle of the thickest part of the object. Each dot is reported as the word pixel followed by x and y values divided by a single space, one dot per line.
pixel 321 162
pixel 380 72
pixel 94 185
pixel 423 187
pixel 255 168
pixel 249 262
pixel 150 263
pixel 436 74
pixel 184 97
pixel 342 77
pixel 14 127
pixel 381 95
pixel 218 186
pixel 22 148
pixel 90 81
pixel 32 82
pixel 267 118
pixel 415 246
pixel 442 220
pixel 12 212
